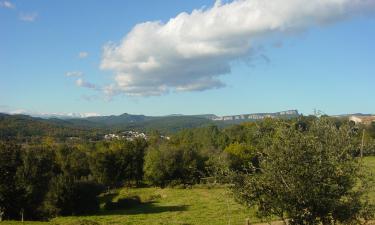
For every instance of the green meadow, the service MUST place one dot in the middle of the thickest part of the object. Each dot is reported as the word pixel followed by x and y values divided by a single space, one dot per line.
pixel 169 206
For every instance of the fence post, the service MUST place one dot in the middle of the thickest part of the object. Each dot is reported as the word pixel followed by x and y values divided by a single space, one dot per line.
pixel 1 213
pixel 22 211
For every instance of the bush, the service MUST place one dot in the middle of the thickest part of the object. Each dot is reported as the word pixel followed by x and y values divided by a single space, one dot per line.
pixel 69 197
pixel 171 165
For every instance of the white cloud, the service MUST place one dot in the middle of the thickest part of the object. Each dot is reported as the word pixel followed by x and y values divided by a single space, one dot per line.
pixel 28 17
pixel 82 83
pixel 7 4
pixel 74 74
pixel 83 55
pixel 191 51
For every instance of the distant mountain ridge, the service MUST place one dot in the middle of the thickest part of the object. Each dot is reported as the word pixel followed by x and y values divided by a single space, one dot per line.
pixel 24 125
pixel 258 116
pixel 130 118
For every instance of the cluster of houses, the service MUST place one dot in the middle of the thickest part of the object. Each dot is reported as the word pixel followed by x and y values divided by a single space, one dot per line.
pixel 129 135
pixel 257 116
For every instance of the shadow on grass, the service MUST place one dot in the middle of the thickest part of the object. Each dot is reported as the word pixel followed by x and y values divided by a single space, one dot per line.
pixel 107 197
pixel 145 208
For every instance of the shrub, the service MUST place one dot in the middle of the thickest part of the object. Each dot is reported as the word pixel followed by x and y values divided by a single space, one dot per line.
pixel 169 164
pixel 69 197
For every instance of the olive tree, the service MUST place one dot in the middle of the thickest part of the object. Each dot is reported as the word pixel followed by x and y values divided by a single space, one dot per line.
pixel 308 176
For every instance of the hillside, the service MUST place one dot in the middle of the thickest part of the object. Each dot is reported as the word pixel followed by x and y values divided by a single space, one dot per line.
pixel 95 127
pixel 22 126
pixel 172 123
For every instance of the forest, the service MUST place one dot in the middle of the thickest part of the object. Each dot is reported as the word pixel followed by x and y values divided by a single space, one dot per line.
pixel 305 170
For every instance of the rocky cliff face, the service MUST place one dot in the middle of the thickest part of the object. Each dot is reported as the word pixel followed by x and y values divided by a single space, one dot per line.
pixel 258 116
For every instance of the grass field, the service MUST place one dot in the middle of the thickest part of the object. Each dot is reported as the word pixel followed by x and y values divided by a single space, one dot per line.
pixel 370 163
pixel 206 206
pixel 170 206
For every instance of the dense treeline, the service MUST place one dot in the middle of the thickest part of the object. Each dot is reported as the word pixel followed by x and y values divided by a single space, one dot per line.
pixel 309 174
pixel 47 177
pixel 29 129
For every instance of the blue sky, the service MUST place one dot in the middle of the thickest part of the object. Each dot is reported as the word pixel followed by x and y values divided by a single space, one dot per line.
pixel 324 65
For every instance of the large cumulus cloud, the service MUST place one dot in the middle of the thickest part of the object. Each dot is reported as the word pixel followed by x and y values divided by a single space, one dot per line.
pixel 190 52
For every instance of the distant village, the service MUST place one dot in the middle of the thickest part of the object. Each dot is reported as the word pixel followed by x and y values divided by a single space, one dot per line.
pixel 130 136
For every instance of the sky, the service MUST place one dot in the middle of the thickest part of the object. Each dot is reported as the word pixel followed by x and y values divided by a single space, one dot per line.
pixel 187 57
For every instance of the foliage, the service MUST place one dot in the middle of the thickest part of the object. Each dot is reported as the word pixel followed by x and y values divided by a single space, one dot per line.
pixel 371 129
pixel 37 169
pixel 73 161
pixel 28 129
pixel 240 155
pixel 310 176
pixel 69 197
pixel 10 193
pixel 167 163
pixel 119 162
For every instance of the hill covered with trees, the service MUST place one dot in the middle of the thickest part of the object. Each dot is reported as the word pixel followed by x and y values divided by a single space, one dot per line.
pixel 306 169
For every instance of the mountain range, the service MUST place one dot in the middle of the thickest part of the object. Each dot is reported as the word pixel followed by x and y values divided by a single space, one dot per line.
pixel 134 120
pixel 96 126
pixel 25 125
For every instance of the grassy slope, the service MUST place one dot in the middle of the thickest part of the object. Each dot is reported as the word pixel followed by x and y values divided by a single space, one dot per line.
pixel 175 206
pixel 370 163
pixel 178 206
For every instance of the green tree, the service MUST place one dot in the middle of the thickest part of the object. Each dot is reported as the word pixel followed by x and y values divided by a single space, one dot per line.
pixel 11 195
pixel 165 164
pixel 139 151
pixel 67 197
pixel 311 177
pixel 104 168
pixel 240 155
pixel 73 161
pixel 33 177
pixel 119 162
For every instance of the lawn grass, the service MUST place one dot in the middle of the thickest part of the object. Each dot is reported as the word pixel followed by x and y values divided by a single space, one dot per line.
pixel 199 205
pixel 369 162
